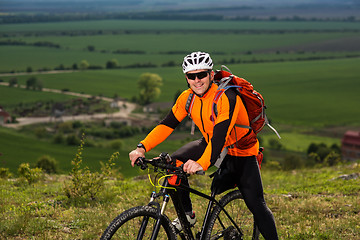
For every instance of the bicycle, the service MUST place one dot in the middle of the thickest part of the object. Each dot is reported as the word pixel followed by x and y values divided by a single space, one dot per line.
pixel 223 219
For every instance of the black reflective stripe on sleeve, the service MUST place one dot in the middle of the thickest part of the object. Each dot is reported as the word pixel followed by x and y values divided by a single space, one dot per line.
pixel 170 120
pixel 221 129
pixel 218 139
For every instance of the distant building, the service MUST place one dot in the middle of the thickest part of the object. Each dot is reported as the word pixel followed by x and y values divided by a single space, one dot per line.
pixel 156 107
pixel 350 145
pixel 4 116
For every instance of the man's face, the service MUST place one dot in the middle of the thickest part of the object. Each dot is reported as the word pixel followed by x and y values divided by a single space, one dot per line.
pixel 199 80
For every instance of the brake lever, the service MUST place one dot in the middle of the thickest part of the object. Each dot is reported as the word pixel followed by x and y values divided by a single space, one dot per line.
pixel 141 163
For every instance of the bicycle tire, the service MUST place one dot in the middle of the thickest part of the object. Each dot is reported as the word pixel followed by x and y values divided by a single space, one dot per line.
pixel 127 225
pixel 234 204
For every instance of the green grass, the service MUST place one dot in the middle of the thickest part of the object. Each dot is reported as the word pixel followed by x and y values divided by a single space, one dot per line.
pixel 17 148
pixel 10 96
pixel 298 142
pixel 307 204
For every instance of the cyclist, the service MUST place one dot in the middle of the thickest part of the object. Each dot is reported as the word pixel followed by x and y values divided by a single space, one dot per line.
pixel 239 166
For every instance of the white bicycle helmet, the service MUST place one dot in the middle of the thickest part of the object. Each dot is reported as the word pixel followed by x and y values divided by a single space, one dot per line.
pixel 197 61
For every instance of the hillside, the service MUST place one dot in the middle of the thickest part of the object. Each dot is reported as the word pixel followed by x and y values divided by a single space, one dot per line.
pixel 307 204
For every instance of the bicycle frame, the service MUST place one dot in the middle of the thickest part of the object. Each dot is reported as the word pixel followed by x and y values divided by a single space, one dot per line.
pixel 167 190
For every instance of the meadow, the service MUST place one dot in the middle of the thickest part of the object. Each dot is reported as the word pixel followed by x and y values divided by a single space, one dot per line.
pixel 307 204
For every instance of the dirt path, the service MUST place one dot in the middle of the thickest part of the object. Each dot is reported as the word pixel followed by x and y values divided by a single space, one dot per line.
pixel 124 112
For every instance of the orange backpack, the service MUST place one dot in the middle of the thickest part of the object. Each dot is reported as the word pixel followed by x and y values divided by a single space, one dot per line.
pixel 253 101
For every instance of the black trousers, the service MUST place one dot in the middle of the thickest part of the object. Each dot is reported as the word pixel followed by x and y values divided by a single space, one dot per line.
pixel 246 175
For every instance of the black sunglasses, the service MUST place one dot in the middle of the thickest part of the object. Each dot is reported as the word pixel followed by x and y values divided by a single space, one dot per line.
pixel 199 75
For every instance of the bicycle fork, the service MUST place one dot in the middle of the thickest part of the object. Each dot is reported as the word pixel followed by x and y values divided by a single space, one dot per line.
pixel 145 220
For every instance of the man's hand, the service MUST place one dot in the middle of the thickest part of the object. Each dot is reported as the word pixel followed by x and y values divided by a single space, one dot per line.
pixel 191 167
pixel 135 154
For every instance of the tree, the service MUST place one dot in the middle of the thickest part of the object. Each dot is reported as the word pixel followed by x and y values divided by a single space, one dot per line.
pixel 31 83
pixel 149 85
pixel 113 63
pixel 90 48
pixel 84 65
pixel 13 82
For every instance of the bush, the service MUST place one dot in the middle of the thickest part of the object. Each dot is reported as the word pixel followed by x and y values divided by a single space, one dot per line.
pixel 47 164
pixel 116 144
pixel 72 139
pixel 86 185
pixel 292 162
pixel 65 127
pixel 31 175
pixel 59 138
pixel 332 159
pixel 272 165
pixel 77 124
pixel 40 132
pixel 275 144
pixel 5 173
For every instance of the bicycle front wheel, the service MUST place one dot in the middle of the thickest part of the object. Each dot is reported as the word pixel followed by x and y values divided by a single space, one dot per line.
pixel 138 223
pixel 220 226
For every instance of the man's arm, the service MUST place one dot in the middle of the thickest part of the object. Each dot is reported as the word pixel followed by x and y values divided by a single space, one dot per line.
pixel 227 114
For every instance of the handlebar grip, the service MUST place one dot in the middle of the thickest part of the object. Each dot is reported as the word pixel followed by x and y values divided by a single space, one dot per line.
pixel 141 163
pixel 201 172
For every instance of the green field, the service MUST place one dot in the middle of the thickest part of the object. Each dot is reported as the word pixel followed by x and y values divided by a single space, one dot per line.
pixel 307 72
pixel 18 148
pixel 176 25
pixel 308 93
pixel 156 39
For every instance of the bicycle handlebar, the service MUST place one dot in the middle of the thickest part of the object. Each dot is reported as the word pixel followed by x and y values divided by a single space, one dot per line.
pixel 163 162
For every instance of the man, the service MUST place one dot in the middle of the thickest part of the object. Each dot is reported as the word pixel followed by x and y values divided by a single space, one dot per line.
pixel 239 165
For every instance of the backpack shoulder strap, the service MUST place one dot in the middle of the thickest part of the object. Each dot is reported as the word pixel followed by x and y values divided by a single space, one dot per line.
pixel 188 108
pixel 189 103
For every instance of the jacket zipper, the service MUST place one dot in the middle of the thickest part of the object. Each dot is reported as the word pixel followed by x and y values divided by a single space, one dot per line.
pixel 202 121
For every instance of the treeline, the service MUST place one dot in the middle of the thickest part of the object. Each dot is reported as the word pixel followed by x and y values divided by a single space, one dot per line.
pixel 73 33
pixel 22 43
pixel 192 16
pixel 113 64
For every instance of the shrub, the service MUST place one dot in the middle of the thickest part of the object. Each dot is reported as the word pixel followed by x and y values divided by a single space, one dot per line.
pixel 31 175
pixel 59 138
pixel 332 159
pixel 72 139
pixel 77 124
pixel 273 165
pixel 40 132
pixel 275 144
pixel 292 162
pixel 5 173
pixel 84 184
pixel 65 127
pixel 116 144
pixel 47 164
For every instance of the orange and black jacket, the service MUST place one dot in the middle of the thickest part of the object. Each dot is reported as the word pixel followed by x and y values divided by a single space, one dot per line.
pixel 219 132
